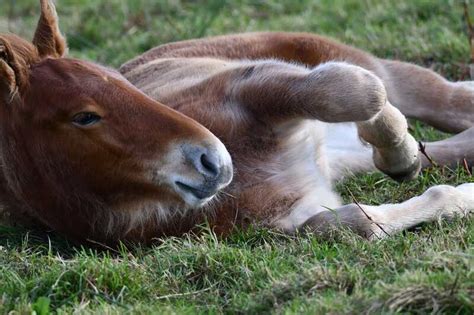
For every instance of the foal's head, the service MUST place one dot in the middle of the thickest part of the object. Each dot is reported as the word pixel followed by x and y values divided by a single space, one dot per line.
pixel 78 142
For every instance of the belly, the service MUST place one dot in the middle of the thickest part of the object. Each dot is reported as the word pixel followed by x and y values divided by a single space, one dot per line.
pixel 346 153
pixel 338 152
pixel 304 170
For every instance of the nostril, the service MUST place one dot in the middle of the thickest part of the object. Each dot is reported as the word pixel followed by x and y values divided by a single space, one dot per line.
pixel 205 160
pixel 210 165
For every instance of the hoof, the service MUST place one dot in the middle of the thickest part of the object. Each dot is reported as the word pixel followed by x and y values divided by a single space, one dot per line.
pixel 408 174
pixel 401 162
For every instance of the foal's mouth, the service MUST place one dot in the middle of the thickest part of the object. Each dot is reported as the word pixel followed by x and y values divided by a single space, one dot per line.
pixel 198 192
pixel 196 173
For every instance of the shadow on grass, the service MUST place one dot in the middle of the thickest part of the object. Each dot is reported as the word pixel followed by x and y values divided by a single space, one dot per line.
pixel 41 241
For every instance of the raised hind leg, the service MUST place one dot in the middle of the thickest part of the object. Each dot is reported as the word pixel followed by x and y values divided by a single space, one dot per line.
pixel 375 222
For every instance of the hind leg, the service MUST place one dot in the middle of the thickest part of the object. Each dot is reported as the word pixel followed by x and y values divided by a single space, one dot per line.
pixel 451 151
pixel 422 94
pixel 375 222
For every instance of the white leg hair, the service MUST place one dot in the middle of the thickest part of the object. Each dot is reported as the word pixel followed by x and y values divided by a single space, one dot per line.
pixel 395 151
pixel 376 222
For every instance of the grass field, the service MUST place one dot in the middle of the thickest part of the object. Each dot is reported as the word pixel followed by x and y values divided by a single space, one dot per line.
pixel 426 270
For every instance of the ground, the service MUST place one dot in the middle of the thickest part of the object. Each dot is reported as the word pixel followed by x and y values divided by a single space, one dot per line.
pixel 426 270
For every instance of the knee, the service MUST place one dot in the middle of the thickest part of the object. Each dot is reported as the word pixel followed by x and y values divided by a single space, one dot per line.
pixel 351 89
pixel 374 94
pixel 440 191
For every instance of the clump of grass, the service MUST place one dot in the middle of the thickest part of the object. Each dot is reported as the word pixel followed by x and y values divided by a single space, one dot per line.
pixel 424 299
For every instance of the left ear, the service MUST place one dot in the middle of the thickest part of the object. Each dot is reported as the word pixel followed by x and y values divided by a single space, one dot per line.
pixel 11 75
pixel 48 39
pixel 7 82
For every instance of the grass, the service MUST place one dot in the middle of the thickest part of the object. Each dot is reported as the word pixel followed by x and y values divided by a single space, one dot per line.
pixel 425 270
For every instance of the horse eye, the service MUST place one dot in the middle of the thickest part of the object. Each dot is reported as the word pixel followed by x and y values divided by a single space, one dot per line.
pixel 85 119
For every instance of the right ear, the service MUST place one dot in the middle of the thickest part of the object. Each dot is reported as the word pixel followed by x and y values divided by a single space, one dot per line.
pixel 48 39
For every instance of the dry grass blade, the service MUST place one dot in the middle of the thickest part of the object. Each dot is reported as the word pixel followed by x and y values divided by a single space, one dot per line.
pixel 365 213
pixel 103 246
pixel 178 295
pixel 422 149
pixel 422 299
pixel 466 167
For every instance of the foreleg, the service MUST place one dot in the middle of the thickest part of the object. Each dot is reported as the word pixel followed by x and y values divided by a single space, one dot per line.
pixel 375 222
pixel 332 92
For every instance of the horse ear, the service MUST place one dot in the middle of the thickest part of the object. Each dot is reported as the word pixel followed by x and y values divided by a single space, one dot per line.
pixel 48 39
pixel 8 80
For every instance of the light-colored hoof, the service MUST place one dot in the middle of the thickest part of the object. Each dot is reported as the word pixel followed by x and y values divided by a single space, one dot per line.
pixel 401 162
pixel 468 193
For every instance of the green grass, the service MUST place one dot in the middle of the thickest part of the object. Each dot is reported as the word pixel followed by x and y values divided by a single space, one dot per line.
pixel 428 269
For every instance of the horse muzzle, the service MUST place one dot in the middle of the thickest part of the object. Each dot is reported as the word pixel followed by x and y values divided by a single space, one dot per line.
pixel 207 169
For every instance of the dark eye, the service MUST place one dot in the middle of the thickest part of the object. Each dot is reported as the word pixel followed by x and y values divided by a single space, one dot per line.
pixel 85 119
